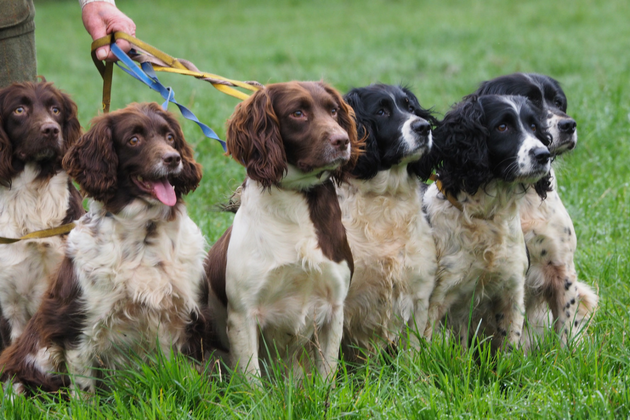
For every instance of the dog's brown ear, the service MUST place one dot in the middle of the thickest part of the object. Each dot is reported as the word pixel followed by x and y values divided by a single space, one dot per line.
pixel 253 139
pixel 6 148
pixel 190 176
pixel 93 162
pixel 347 121
pixel 6 158
pixel 71 125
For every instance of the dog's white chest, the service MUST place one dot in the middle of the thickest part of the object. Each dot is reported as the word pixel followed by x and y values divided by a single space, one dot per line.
pixel 32 204
pixel 481 255
pixel 29 206
pixel 276 271
pixel 393 250
pixel 140 278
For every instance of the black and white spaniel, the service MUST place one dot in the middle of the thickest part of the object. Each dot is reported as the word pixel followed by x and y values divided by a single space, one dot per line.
pixel 552 282
pixel 38 123
pixel 283 269
pixel 490 151
pixel 391 241
pixel 133 278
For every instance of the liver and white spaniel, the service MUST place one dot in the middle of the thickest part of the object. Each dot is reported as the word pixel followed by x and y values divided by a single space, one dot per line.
pixel 490 150
pixel 552 283
pixel 283 269
pixel 133 278
pixel 390 238
pixel 38 123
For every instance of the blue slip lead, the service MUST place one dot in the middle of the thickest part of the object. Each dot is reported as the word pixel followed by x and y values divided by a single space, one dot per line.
pixel 146 75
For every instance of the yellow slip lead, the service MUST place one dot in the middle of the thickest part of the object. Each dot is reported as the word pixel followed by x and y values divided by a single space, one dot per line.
pixel 167 64
pixel 45 233
pixel 449 197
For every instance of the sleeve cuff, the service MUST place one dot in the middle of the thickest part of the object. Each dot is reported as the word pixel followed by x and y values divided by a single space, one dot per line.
pixel 84 2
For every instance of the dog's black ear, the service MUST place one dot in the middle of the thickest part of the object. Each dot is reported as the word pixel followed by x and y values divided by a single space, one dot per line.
pixel 462 155
pixel 369 161
pixel 93 162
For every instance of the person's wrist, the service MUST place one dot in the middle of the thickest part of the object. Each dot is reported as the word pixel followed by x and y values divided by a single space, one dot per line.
pixel 84 2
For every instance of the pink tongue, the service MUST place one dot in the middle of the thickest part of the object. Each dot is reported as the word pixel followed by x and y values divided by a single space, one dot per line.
pixel 164 192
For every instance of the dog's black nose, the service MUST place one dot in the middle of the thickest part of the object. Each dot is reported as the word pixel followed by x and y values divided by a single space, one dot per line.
pixel 50 130
pixel 541 154
pixel 171 159
pixel 421 127
pixel 567 125
pixel 340 141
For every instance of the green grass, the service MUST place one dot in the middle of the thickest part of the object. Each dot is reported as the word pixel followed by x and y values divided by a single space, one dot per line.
pixel 442 50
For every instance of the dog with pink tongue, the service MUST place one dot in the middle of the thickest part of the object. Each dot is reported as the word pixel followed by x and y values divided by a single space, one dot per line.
pixel 133 279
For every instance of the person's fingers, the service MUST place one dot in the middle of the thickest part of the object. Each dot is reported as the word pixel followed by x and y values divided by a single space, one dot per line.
pixel 105 53
pixel 100 19
pixel 124 44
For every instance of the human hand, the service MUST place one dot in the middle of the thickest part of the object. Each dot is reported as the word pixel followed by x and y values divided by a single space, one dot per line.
pixel 100 19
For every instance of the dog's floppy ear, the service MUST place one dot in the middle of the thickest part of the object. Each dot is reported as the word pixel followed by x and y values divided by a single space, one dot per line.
pixel 93 162
pixel 6 158
pixel 190 176
pixel 347 120
pixel 71 125
pixel 6 148
pixel 462 154
pixel 369 162
pixel 253 139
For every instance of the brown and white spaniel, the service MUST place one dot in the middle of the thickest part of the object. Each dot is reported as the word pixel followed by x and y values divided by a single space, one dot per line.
pixel 283 269
pixel 38 123
pixel 133 278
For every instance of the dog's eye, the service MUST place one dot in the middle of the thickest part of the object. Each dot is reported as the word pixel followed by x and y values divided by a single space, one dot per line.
pixel 558 103
pixel 19 110
pixel 411 108
pixel 55 110
pixel 533 127
pixel 382 112
pixel 333 112
pixel 170 138
pixel 298 114
pixel 133 141
pixel 502 127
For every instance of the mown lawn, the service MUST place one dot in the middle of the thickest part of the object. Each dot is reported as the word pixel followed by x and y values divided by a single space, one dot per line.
pixel 442 50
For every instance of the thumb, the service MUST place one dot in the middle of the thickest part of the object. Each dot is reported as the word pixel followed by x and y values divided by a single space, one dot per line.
pixel 102 53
